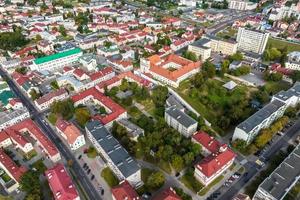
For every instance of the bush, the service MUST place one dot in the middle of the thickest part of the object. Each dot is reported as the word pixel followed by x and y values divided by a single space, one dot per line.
pixel 243 70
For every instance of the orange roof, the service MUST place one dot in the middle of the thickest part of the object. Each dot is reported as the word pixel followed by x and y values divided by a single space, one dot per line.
pixel 69 129
pixel 157 66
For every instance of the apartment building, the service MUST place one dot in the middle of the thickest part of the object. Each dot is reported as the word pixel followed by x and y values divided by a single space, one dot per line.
pixel 47 100
pixel 219 157
pixel 9 118
pixel 248 129
pixel 293 61
pixel 180 121
pixel 117 158
pixel 56 61
pixel 201 48
pixel 252 40
pixel 226 47
pixel 281 180
pixel 242 5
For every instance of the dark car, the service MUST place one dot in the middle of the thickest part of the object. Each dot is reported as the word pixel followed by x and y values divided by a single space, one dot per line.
pixel 102 192
pixel 84 165
pixel 93 176
pixel 79 157
pixel 88 171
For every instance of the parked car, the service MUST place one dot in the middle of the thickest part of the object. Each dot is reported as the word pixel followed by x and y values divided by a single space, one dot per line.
pixel 93 176
pixel 79 157
pixel 88 171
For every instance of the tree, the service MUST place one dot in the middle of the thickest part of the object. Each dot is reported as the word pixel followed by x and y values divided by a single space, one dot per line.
pixel 82 115
pixel 295 76
pixel 62 30
pixel 225 67
pixel 177 162
pixel 197 80
pixel 188 158
pixel 34 94
pixel 30 184
pixel 12 40
pixel 238 56
pixel 159 95
pixel 243 70
pixel 155 180
pixel 190 56
pixel 268 76
pixel 209 69
pixel 64 108
pixel 21 70
pixel 54 85
pixel 32 2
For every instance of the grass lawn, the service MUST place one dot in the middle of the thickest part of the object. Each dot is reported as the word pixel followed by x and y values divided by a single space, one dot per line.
pixel 5 197
pixel 207 188
pixel 165 166
pixel 39 166
pixel 227 33
pixel 190 182
pixel 30 154
pixel 134 112
pixel 281 44
pixel 109 177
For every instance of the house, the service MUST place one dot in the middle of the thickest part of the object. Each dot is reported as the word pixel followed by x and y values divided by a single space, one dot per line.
pixel 167 194
pixel 47 100
pixel 180 121
pixel 218 158
pixel 61 183
pixel 124 191
pixel 104 74
pixel 114 110
pixel 170 70
pixel 116 157
pixel 89 61
pixel 14 104
pixel 70 133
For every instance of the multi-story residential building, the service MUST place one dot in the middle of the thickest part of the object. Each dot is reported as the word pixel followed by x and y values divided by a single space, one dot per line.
pixel 124 191
pixel 46 101
pixel 103 75
pixel 280 12
pixel 241 5
pixel 219 157
pixel 56 61
pixel 263 118
pixel 293 61
pixel 227 47
pixel 70 133
pixel 248 129
pixel 180 121
pixel 201 48
pixel 117 158
pixel 189 3
pixel 169 70
pixel 282 179
pixel 108 51
pixel 114 110
pixel 9 118
pixel 12 170
pixel 252 40
pixel 61 183
pixel 89 61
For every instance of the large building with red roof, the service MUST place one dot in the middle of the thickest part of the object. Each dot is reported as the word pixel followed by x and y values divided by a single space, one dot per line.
pixel 167 194
pixel 124 191
pixel 45 101
pixel 12 170
pixel 16 134
pixel 61 184
pixel 70 133
pixel 219 157
pixel 170 70
pixel 114 110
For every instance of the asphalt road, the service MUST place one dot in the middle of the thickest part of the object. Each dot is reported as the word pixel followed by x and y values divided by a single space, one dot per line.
pixel 64 151
pixel 252 168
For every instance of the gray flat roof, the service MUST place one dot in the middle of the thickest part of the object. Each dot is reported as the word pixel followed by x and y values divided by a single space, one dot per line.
pixel 172 101
pixel 118 155
pixel 285 175
pixel 293 91
pixel 181 117
pixel 260 115
pixel 200 43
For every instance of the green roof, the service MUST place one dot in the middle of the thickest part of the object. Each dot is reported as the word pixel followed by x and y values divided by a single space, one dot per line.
pixel 56 56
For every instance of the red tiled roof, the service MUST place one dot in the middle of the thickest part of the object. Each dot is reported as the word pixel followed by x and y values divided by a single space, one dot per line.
pixel 78 72
pixel 116 109
pixel 34 130
pixel 124 191
pixel 14 101
pixel 3 136
pixel 167 194
pixel 101 73
pixel 69 129
pixel 60 183
pixel 51 95
pixel 220 154
pixel 11 166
